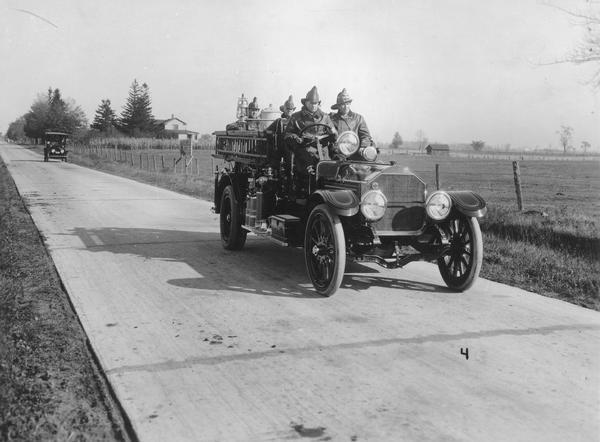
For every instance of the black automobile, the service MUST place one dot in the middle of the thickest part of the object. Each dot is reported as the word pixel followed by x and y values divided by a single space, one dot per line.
pixel 55 145
pixel 364 209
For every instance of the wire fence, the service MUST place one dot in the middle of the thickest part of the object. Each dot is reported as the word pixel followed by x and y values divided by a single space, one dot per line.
pixel 162 160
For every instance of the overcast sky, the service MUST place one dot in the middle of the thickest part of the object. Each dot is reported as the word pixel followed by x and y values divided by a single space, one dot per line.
pixel 459 70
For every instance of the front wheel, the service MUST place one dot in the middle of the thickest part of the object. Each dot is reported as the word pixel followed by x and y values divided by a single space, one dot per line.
pixel 233 236
pixel 460 264
pixel 324 250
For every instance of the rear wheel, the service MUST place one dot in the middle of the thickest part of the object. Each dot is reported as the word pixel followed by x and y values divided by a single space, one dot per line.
pixel 324 250
pixel 233 237
pixel 461 262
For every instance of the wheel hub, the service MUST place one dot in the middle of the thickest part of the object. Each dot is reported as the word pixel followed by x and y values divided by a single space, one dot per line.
pixel 321 251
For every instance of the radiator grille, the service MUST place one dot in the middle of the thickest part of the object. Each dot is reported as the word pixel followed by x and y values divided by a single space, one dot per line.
pixel 402 188
pixel 406 198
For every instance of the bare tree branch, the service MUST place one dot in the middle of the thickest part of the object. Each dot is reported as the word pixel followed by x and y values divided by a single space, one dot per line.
pixel 588 49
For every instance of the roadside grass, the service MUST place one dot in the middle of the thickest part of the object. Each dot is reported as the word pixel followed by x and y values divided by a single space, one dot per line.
pixel 543 270
pixel 552 247
pixel 49 388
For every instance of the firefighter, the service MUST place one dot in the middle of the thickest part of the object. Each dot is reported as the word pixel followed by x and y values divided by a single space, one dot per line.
pixel 344 119
pixel 304 149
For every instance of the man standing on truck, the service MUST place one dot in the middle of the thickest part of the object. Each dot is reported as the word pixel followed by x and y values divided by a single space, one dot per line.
pixel 304 149
pixel 345 119
pixel 277 128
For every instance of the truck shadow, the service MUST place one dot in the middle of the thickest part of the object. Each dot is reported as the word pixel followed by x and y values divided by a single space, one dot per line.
pixel 260 268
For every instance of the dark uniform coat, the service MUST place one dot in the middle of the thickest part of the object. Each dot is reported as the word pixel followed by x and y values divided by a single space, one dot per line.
pixel 354 122
pixel 304 156
pixel 277 129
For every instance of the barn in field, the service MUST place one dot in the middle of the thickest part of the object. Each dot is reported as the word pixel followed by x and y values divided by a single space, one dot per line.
pixel 438 149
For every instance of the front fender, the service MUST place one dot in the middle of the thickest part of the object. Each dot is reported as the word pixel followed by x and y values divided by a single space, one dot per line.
pixel 342 202
pixel 468 203
pixel 224 181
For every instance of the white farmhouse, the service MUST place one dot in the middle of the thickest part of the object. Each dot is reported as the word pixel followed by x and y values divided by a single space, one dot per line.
pixel 174 128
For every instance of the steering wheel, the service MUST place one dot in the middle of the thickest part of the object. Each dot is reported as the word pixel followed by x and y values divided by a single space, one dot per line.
pixel 316 138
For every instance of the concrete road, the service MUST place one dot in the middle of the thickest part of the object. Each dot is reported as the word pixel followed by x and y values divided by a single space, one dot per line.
pixel 207 345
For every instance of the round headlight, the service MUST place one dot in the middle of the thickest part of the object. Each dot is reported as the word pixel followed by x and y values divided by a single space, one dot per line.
pixel 347 143
pixel 369 153
pixel 373 205
pixel 438 205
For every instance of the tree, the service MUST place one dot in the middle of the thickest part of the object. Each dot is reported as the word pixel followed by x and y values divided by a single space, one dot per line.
pixel 36 120
pixel 136 118
pixel 565 133
pixel 396 141
pixel 105 118
pixel 478 145
pixel 585 146
pixel 588 49
pixel 16 129
pixel 51 112
pixel 206 139
pixel 56 116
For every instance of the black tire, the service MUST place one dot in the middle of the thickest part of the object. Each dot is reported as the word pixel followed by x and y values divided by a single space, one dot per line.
pixel 233 237
pixel 461 263
pixel 324 250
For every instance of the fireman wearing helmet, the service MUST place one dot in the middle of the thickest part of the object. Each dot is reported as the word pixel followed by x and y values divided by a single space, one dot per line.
pixel 346 120
pixel 306 154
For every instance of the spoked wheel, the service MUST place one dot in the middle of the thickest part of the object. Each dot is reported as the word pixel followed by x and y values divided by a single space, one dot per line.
pixel 324 250
pixel 461 263
pixel 233 237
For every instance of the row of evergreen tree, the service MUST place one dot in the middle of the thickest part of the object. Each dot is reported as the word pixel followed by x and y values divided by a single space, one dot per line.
pixel 51 112
pixel 136 118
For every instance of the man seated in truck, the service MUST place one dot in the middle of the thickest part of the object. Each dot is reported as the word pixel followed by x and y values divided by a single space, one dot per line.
pixel 344 119
pixel 304 148
pixel 253 122
pixel 250 122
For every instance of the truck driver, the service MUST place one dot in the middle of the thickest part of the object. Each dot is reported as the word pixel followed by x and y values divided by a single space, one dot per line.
pixel 306 155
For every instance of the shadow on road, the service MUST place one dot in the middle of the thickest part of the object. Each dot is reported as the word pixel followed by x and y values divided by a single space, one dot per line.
pixel 260 268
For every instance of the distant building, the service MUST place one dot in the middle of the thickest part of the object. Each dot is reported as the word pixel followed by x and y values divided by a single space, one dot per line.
pixel 174 128
pixel 438 149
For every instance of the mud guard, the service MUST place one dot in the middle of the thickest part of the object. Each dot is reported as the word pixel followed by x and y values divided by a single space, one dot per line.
pixel 224 181
pixel 468 203
pixel 342 202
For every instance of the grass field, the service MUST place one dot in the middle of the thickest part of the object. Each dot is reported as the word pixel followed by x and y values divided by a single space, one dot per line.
pixel 551 247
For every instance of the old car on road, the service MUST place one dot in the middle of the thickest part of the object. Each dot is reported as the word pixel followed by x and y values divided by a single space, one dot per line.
pixel 55 145
pixel 364 210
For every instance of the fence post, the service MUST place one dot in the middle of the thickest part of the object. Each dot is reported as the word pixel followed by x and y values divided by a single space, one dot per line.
pixel 153 163
pixel 131 153
pixel 162 161
pixel 437 176
pixel 141 161
pixel 174 165
pixel 517 176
